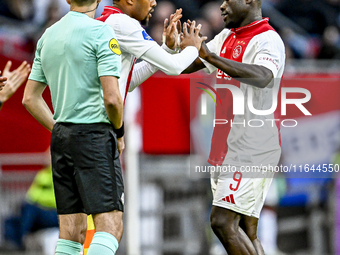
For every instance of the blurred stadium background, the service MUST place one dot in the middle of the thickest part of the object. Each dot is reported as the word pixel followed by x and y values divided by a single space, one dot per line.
pixel 167 211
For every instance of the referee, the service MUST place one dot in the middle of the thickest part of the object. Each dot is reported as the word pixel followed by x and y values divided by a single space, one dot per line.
pixel 79 59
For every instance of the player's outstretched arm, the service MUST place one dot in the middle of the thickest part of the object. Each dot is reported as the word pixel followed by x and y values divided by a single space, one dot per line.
pixel 194 67
pixel 171 32
pixel 157 58
pixel 36 105
pixel 256 75
pixel 197 64
pixel 14 79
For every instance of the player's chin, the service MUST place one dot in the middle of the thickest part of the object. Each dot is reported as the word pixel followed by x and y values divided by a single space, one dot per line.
pixel 230 24
pixel 145 22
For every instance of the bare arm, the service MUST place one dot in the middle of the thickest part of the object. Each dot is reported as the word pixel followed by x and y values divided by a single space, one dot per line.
pixel 114 105
pixel 256 75
pixel 194 67
pixel 112 100
pixel 175 64
pixel 36 105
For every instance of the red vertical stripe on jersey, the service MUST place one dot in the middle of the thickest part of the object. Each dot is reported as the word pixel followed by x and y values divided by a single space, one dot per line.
pixel 110 10
pixel 129 79
pixel 228 200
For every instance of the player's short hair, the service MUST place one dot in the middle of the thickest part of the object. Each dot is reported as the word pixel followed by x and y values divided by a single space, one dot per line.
pixel 83 2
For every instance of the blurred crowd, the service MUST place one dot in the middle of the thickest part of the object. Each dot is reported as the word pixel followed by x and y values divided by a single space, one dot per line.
pixel 309 28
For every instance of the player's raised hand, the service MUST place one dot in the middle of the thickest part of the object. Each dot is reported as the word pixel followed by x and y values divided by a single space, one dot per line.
pixel 204 51
pixel 172 30
pixel 191 36
pixel 2 82
pixel 189 22
pixel 14 79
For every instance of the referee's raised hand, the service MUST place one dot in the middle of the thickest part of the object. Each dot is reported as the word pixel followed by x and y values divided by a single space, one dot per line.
pixel 191 36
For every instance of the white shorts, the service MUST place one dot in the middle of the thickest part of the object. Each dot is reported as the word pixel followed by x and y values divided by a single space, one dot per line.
pixel 240 192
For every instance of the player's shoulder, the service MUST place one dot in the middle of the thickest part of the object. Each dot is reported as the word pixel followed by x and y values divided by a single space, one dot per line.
pixel 224 33
pixel 123 22
pixel 270 37
pixel 221 36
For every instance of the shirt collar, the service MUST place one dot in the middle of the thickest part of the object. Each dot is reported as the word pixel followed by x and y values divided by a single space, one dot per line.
pixel 250 27
pixel 111 10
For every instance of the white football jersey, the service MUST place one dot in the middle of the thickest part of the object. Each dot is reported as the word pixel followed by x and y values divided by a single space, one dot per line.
pixel 132 38
pixel 135 43
pixel 258 44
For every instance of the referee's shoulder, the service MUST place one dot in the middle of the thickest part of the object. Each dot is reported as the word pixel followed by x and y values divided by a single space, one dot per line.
pixel 99 25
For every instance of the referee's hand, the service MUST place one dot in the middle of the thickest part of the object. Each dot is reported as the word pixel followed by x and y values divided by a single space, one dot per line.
pixel 121 145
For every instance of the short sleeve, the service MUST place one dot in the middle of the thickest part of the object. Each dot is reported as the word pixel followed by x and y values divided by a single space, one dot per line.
pixel 270 52
pixel 108 53
pixel 37 73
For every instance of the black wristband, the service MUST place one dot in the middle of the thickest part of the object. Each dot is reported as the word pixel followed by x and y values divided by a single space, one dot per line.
pixel 120 131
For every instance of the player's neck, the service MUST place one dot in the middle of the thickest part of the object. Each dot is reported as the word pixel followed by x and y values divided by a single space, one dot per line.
pixel 123 8
pixel 251 18
pixel 88 10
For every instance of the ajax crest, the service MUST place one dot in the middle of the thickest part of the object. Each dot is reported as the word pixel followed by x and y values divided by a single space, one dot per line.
pixel 237 51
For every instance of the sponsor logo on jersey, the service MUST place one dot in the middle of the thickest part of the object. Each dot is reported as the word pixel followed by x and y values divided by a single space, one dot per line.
pixel 229 199
pixel 146 36
pixel 114 46
pixel 237 51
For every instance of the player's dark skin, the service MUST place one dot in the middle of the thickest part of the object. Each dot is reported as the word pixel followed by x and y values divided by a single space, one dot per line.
pixel 236 13
pixel 237 232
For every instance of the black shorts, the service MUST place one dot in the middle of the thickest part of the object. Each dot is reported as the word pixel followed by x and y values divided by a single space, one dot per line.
pixel 86 169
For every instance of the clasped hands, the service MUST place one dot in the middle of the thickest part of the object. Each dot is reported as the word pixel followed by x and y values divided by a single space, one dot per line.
pixel 175 38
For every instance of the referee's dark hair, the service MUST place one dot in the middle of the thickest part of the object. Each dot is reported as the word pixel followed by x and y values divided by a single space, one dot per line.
pixel 83 2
